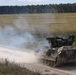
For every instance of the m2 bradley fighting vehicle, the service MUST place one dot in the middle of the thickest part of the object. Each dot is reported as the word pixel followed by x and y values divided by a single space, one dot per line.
pixel 60 51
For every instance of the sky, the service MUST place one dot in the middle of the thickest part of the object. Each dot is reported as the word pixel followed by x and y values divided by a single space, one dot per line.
pixel 33 2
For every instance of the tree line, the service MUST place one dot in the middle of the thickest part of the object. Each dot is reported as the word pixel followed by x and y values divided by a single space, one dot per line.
pixel 51 8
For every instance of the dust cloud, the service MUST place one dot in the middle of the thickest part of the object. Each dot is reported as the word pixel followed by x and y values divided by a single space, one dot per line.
pixel 17 56
pixel 28 39
pixel 32 26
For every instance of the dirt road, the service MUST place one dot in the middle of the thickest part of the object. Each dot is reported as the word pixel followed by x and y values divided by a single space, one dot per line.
pixel 31 64
pixel 46 70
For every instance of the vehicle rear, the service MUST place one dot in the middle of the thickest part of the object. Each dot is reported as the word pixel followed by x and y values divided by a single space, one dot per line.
pixel 66 54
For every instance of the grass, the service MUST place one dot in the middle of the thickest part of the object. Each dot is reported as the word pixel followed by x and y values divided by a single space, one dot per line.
pixel 56 24
pixel 59 22
pixel 64 23
pixel 14 69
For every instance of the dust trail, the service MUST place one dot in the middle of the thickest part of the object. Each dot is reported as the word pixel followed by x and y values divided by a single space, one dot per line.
pixel 21 34
pixel 26 37
pixel 17 56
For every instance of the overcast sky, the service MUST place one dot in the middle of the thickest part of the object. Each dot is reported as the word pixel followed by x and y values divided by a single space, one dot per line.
pixel 33 2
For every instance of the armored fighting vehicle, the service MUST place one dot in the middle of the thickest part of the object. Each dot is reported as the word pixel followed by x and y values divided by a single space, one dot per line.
pixel 60 51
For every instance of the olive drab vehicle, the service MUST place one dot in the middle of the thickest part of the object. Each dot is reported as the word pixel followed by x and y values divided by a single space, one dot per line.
pixel 60 51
